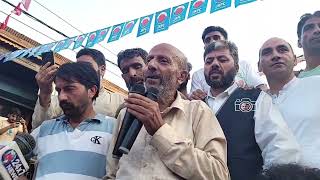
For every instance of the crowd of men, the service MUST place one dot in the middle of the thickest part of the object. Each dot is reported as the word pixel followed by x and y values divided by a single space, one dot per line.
pixel 232 124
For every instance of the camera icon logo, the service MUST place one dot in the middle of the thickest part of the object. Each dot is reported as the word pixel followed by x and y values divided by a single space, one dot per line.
pixel 244 105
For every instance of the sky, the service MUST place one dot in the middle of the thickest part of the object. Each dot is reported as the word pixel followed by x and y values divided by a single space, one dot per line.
pixel 248 26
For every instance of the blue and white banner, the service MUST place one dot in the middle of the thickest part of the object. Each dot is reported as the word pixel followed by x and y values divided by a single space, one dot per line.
pixel 79 40
pixel 217 5
pixel 197 7
pixel 91 39
pixel 162 21
pixel 241 2
pixel 116 32
pixel 179 13
pixel 64 44
pixel 45 48
pixel 144 25
pixel 101 35
pixel 128 27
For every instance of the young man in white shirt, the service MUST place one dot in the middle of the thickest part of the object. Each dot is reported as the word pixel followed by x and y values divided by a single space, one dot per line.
pixel 256 133
pixel 246 76
pixel 297 98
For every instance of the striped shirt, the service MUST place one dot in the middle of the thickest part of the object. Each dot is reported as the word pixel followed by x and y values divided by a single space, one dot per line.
pixel 78 153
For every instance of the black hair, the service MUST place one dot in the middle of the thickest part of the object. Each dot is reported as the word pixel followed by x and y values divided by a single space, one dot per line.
pixel 81 72
pixel 303 19
pixel 221 44
pixel 96 55
pixel 131 53
pixel 210 29
pixel 15 111
pixel 289 172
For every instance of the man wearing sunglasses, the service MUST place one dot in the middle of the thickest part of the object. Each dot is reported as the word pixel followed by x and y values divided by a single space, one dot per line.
pixel 309 39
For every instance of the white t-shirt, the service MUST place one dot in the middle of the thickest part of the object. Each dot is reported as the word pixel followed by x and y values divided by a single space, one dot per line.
pixel 245 73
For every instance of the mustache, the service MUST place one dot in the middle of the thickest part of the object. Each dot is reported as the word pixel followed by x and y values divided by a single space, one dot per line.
pixel 215 70
pixel 65 104
pixel 152 75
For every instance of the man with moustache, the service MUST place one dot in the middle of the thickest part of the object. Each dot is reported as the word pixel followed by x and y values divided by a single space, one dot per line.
pixel 297 99
pixel 180 139
pixel 131 63
pixel 47 106
pixel 73 146
pixel 245 77
pixel 309 39
pixel 256 133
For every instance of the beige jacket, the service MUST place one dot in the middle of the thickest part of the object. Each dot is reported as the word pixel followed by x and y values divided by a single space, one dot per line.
pixel 190 145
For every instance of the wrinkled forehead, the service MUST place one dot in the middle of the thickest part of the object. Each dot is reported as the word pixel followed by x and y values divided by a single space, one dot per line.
pixel 163 50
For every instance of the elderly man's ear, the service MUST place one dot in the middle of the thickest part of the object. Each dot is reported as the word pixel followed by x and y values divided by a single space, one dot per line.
pixel 183 76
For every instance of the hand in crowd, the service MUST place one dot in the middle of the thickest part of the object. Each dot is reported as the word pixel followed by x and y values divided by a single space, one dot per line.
pixel 14 125
pixel 44 78
pixel 146 110
pixel 198 95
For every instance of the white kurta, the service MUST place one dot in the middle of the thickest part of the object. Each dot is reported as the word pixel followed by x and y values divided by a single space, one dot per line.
pixel 299 103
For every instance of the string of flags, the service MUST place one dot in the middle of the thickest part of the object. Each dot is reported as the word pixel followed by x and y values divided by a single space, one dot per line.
pixel 162 21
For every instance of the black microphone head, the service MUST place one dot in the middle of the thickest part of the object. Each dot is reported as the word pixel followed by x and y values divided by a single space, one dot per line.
pixel 153 93
pixel 138 88
pixel 26 144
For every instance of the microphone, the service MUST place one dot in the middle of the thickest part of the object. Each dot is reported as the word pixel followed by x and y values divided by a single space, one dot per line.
pixel 26 144
pixel 13 162
pixel 136 125
pixel 127 121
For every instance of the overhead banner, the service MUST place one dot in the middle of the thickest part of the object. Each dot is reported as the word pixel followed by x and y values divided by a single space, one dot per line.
pixel 217 5
pixel 179 13
pixel 241 2
pixel 144 25
pixel 162 22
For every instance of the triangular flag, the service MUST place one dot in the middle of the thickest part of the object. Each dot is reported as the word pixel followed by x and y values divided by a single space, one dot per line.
pixel 79 40
pixel 217 5
pixel 116 32
pixel 128 27
pixel 179 13
pixel 91 39
pixel 17 10
pixel 162 21
pixel 26 4
pixel 197 7
pixel 45 48
pixel 144 25
pixel 5 23
pixel 101 35
pixel 241 2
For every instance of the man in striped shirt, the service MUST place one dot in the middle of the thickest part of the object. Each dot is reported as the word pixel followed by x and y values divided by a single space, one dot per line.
pixel 74 145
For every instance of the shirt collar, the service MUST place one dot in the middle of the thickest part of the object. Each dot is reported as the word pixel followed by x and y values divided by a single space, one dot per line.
pixel 178 103
pixel 290 84
pixel 97 118
pixel 226 92
pixel 287 86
